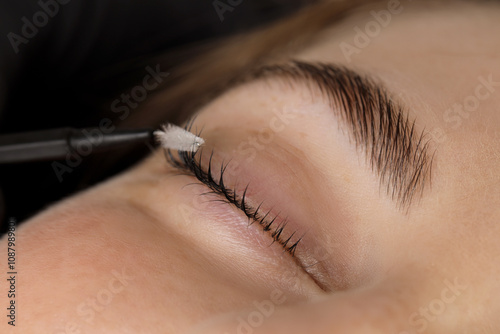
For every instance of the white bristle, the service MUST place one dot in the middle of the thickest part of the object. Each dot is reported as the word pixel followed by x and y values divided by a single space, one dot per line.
pixel 176 138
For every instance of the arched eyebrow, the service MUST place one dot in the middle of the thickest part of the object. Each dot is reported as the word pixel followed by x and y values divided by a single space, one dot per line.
pixel 377 123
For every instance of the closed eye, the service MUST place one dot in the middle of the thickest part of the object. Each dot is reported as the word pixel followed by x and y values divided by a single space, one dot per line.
pixel 273 225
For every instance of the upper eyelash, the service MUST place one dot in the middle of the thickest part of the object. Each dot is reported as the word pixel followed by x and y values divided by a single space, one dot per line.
pixel 190 162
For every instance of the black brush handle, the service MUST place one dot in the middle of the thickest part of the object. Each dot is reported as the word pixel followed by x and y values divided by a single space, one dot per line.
pixel 56 144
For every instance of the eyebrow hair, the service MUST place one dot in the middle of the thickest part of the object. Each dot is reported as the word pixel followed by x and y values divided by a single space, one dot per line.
pixel 377 122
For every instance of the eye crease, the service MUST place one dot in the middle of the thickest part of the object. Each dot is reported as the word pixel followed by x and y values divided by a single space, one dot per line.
pixel 376 121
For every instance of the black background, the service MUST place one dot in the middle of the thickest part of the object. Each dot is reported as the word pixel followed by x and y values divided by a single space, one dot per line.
pixel 61 77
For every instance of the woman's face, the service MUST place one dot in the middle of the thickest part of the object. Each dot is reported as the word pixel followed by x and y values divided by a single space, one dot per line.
pixel 359 195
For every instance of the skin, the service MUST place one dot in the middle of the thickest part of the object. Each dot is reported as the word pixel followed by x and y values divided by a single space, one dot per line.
pixel 147 253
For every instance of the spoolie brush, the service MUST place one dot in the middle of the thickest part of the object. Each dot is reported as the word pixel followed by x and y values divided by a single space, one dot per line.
pixel 176 138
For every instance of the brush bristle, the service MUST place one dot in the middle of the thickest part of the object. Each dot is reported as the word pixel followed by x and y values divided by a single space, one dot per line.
pixel 176 138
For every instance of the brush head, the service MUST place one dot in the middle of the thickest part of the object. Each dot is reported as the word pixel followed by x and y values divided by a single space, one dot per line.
pixel 176 138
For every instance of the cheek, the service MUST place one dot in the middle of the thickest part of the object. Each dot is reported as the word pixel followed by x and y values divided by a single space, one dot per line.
pixel 89 264
pixel 78 266
pixel 86 266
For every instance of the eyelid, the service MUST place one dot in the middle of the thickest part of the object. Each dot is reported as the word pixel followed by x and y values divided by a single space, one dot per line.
pixel 188 163
pixel 273 225
pixel 305 257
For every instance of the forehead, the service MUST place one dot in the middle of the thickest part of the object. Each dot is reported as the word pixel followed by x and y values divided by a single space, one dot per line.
pixel 414 38
pixel 432 56
pixel 458 29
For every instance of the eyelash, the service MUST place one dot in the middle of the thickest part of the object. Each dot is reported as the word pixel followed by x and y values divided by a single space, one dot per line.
pixel 191 163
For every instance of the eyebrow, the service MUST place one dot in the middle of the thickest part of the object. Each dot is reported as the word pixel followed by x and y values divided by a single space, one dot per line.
pixel 378 123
